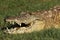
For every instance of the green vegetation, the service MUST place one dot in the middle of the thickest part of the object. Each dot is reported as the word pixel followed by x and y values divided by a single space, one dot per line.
pixel 49 34
pixel 14 7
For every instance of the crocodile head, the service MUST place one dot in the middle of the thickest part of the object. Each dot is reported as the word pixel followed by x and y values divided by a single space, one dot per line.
pixel 24 19
pixel 37 20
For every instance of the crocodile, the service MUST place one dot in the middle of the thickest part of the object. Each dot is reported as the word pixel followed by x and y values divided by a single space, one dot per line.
pixel 35 21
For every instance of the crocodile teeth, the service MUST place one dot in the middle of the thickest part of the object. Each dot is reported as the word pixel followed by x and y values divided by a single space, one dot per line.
pixel 20 24
pixel 13 23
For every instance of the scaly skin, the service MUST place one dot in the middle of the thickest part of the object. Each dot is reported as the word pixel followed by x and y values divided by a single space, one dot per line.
pixel 25 18
pixel 50 17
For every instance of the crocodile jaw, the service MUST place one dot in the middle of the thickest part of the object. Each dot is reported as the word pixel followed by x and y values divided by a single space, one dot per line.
pixel 35 26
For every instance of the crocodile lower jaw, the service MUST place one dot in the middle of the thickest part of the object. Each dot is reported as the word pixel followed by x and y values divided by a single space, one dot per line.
pixel 35 26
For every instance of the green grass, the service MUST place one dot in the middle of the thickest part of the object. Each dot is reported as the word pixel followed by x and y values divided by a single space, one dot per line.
pixel 49 34
pixel 14 7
